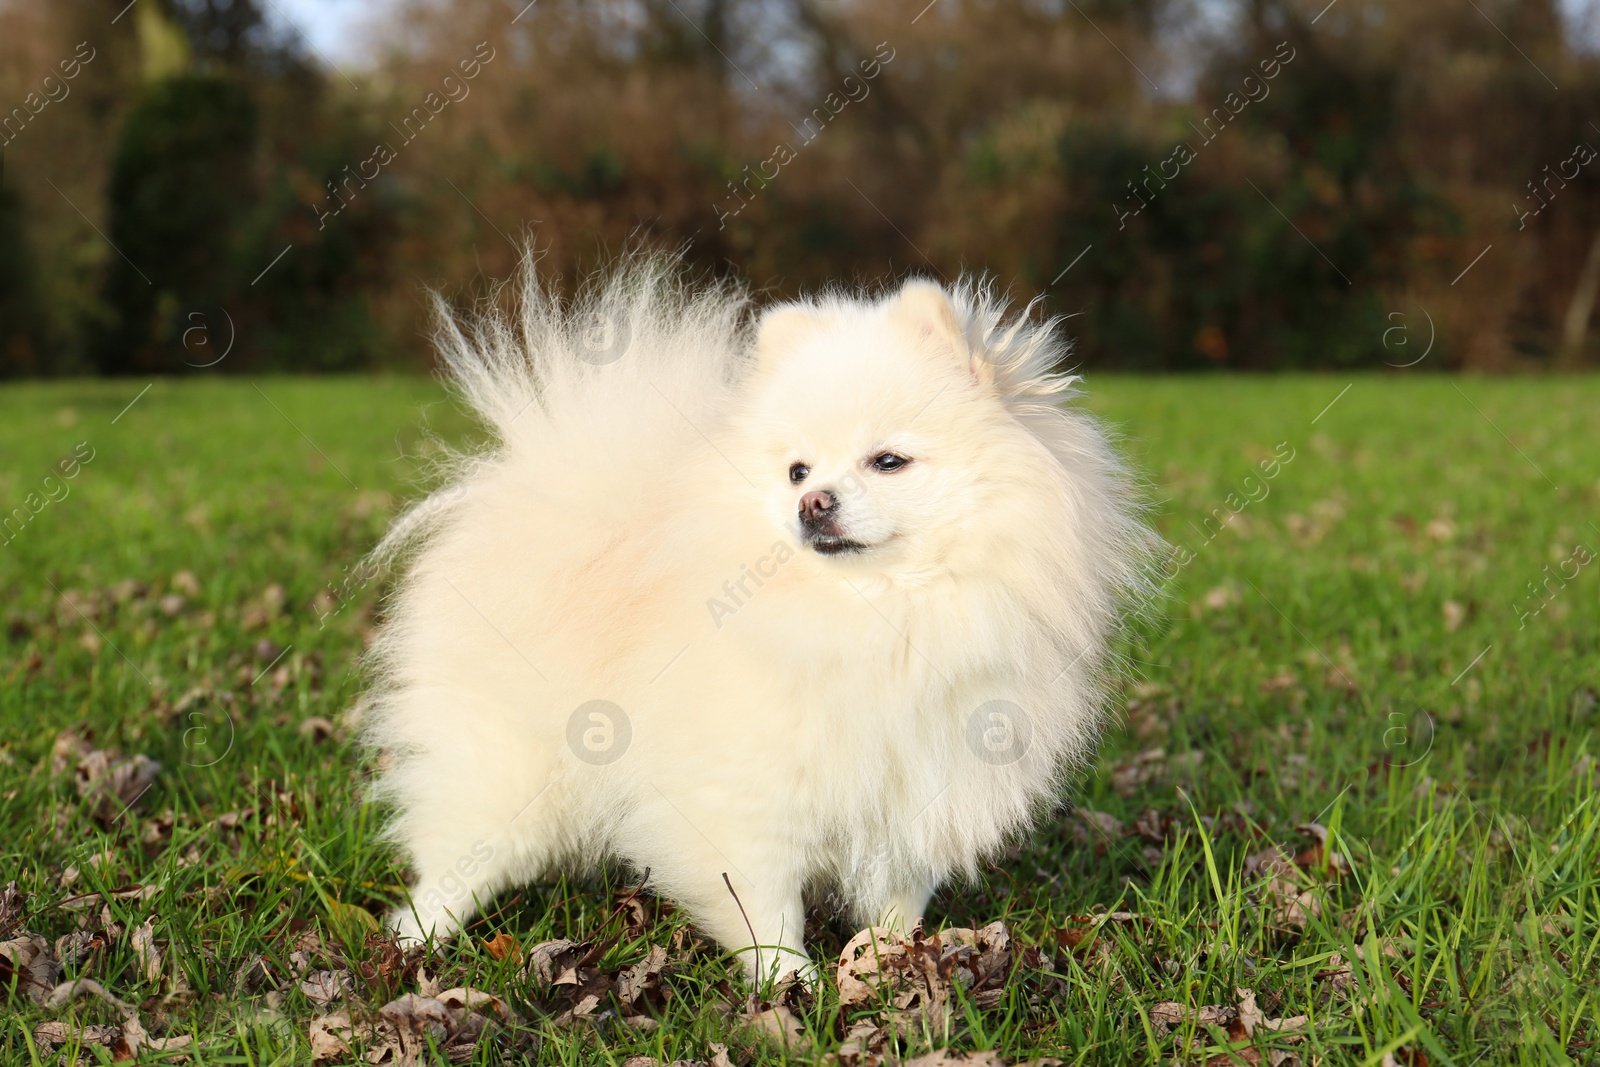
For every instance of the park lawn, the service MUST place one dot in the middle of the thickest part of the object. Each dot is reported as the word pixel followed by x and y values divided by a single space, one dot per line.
pixel 1361 648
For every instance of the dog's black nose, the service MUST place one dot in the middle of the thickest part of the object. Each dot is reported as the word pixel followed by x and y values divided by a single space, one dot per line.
pixel 815 507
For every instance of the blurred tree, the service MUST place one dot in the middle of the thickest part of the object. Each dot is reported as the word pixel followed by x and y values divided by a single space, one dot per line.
pixel 181 184
pixel 1402 160
pixel 21 323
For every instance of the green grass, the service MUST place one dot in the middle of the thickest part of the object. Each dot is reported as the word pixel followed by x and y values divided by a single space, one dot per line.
pixel 1319 661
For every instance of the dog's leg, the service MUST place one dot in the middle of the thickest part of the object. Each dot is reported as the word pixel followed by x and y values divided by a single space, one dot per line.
pixel 887 890
pixel 776 915
pixel 906 907
pixel 463 854
pixel 451 888
pixel 745 892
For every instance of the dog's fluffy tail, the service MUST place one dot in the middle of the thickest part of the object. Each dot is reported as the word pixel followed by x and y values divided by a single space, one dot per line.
pixel 640 356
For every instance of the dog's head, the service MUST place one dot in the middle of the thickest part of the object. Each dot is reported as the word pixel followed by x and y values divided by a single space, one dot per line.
pixel 879 435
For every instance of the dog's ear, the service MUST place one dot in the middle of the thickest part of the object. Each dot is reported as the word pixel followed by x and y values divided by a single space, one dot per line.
pixel 783 327
pixel 924 309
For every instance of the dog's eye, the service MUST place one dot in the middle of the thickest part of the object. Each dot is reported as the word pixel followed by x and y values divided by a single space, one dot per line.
pixel 888 461
pixel 798 472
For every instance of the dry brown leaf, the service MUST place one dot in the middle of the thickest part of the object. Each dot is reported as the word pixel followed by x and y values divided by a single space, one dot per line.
pixel 428 983
pixel 265 608
pixel 111 782
pixel 1283 892
pixel 405 1026
pixel 325 987
pixel 947 1057
pixel 556 962
pixel 50 1034
pixel 1128 777
pixel 27 961
pixel 466 999
pixel 1280 682
pixel 330 1035
pixel 1096 829
pixel 864 1044
pixel 316 729
pixel 1169 1015
pixel 68 749
pixel 502 945
pixel 135 1038
pixel 1319 858
pixel 143 940
pixel 413 1021
pixel 1405 1056
pixel 1251 1018
pixel 779 1022
pixel 67 992
pixel 11 901
pixel 1240 1023
pixel 91 900
pixel 73 948
pixel 634 981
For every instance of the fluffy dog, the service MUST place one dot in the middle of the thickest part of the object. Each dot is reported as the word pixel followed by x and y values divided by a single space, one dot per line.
pixel 820 601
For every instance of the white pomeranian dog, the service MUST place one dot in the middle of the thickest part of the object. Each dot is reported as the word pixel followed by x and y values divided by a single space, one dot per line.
pixel 823 601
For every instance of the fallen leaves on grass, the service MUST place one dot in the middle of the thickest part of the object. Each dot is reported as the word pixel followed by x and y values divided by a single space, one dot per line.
pixel 28 966
pixel 719 1058
pixel 577 989
pixel 112 783
pixel 1240 1023
pixel 912 978
pixel 1096 830
pixel 1152 767
pixel 29 961
pixel 570 974
pixel 949 1057
pixel 1291 905
pixel 1404 1056
pixel 1084 938
pixel 406 1028
pixel 124 1041
pixel 1289 890
pixel 264 608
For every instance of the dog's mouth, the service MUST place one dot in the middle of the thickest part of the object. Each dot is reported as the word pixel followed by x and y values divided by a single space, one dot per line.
pixel 833 545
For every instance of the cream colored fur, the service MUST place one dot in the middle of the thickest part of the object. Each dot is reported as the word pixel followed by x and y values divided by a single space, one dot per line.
pixel 871 723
